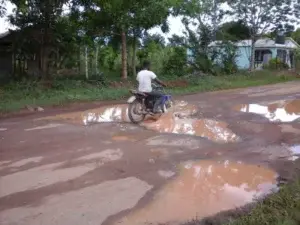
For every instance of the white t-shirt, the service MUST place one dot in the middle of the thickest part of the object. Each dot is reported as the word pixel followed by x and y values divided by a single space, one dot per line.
pixel 144 77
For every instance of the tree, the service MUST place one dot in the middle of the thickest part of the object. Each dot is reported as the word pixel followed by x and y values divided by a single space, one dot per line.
pixel 197 41
pixel 233 31
pixel 153 38
pixel 124 18
pixel 67 42
pixel 260 16
pixel 202 12
pixel 284 28
pixel 176 40
pixel 142 20
pixel 197 17
pixel 39 18
pixel 2 8
pixel 296 35
pixel 176 63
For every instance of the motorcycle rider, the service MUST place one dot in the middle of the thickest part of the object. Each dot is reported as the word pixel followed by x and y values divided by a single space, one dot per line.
pixel 144 78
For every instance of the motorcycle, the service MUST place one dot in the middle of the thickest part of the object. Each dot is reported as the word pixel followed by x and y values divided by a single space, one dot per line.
pixel 142 104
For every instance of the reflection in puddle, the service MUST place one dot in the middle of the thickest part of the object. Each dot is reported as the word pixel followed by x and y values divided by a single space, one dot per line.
pixel 117 113
pixel 281 111
pixel 295 149
pixel 203 189
pixel 211 129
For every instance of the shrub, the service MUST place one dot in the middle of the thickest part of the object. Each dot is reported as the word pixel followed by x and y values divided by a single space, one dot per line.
pixel 275 64
pixel 176 64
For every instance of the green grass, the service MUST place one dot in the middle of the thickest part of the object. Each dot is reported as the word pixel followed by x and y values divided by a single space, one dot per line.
pixel 282 208
pixel 15 96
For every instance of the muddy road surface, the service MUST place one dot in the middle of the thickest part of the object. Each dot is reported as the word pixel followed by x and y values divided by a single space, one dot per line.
pixel 211 152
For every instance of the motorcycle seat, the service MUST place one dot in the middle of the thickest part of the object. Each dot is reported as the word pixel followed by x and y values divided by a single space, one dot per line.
pixel 135 92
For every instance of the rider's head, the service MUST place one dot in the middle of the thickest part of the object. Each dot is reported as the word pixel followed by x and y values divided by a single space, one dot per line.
pixel 146 65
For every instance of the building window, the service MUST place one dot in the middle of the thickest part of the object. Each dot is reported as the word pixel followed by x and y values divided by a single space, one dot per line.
pixel 282 55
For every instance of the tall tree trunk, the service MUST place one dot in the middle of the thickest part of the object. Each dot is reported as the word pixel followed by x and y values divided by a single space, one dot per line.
pixel 13 62
pixel 214 20
pixel 86 63
pixel 133 65
pixel 124 56
pixel 45 60
pixel 45 41
pixel 96 59
pixel 79 60
pixel 252 61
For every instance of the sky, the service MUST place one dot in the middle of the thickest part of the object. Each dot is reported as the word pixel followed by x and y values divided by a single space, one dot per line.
pixel 176 26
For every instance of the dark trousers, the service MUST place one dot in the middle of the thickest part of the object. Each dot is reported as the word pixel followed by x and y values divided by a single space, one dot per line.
pixel 158 97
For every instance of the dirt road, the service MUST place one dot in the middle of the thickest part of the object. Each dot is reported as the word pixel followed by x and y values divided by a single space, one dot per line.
pixel 211 152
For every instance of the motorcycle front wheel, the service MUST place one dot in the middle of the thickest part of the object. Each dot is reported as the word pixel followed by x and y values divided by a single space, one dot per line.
pixel 135 111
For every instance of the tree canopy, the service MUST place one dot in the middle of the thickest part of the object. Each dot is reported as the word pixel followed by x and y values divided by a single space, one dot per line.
pixel 115 34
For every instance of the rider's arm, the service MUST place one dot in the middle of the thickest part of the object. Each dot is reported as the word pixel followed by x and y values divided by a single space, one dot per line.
pixel 154 77
pixel 160 82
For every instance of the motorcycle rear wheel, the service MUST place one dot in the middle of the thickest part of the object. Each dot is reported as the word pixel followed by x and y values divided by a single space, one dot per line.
pixel 135 111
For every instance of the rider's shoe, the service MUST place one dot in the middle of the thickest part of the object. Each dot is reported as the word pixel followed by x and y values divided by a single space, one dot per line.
pixel 157 111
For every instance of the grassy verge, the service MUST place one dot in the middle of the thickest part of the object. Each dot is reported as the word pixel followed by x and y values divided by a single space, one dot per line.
pixel 282 208
pixel 15 96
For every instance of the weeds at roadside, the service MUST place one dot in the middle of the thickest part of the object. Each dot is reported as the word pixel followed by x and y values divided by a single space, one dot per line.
pixel 282 208
pixel 15 96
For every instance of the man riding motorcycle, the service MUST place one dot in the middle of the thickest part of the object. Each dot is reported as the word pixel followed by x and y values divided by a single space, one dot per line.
pixel 144 78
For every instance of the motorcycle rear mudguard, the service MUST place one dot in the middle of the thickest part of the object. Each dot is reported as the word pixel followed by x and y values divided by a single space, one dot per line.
pixel 131 99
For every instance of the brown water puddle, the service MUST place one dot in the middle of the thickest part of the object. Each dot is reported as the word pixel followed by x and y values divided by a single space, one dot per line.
pixel 123 138
pixel 183 109
pixel 203 189
pixel 280 111
pixel 174 121
pixel 295 150
pixel 211 129
pixel 116 113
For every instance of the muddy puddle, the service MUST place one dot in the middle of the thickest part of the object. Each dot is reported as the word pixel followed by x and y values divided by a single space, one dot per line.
pixel 280 111
pixel 116 113
pixel 203 189
pixel 123 138
pixel 295 151
pixel 211 129
pixel 177 120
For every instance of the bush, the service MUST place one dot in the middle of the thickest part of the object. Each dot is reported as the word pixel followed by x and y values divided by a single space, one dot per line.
pixel 176 64
pixel 275 64
pixel 228 59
